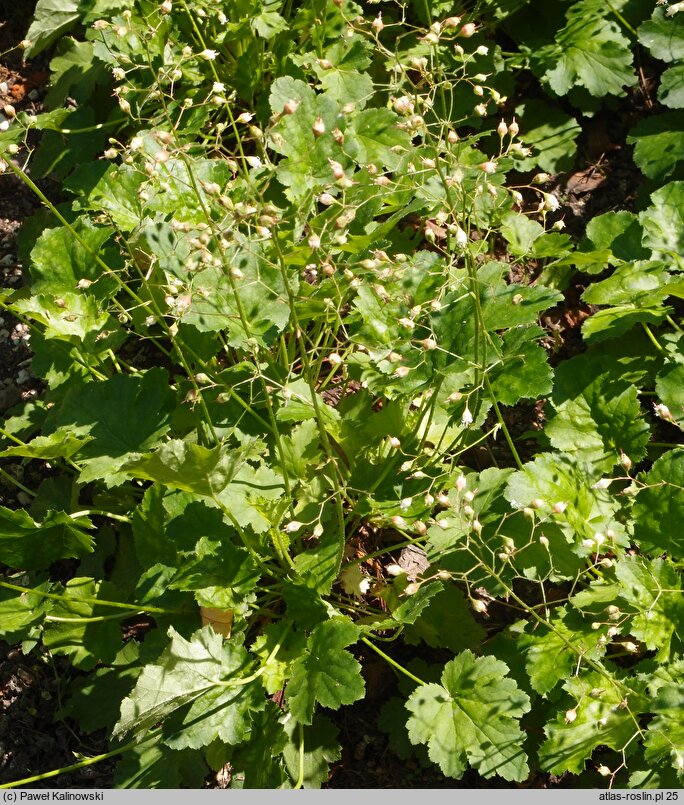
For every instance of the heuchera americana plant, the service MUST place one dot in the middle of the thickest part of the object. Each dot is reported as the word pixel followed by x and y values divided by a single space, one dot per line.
pixel 295 283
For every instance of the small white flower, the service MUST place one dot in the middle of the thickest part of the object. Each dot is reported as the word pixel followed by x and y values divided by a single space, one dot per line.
pixel 467 417
pixel 487 167
pixel 254 162
pixel 551 203
pixel 208 55
pixel 292 526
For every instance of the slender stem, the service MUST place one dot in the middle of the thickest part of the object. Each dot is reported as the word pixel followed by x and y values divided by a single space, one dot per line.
pixel 392 662
pixel 651 337
pixel 82 764
pixel 16 483
pixel 89 600
pixel 621 19
pixel 102 513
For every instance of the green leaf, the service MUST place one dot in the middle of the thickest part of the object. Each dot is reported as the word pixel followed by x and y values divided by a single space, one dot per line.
pixel 60 444
pixel 73 317
pixel 551 133
pixel 257 763
pixel 218 568
pixel 115 194
pixel 94 700
pixel 20 612
pixel 28 545
pixel 591 53
pixel 307 163
pixel 72 632
pixel 596 718
pixel 559 478
pixel 641 283
pixel 371 137
pixel 620 232
pixel 663 36
pixel 549 652
pixel 325 674
pixel 59 261
pixel 507 304
pixel 320 749
pixel 344 80
pixel 663 222
pixel 670 391
pixel 665 735
pixel 196 671
pixel 259 296
pixel 658 144
pixel 51 19
pixel 124 415
pixel 595 414
pixel 471 717
pixel 523 371
pixel 190 467
pixel 653 590
pixel 614 322
pixel 410 609
pixel 153 765
pixel 671 89
pixel 659 507
pixel 446 623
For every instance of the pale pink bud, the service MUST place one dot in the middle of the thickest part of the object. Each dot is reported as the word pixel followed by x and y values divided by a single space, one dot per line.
pixel 468 29
pixel 318 127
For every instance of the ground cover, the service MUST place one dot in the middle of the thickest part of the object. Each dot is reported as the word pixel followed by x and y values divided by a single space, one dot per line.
pixel 356 393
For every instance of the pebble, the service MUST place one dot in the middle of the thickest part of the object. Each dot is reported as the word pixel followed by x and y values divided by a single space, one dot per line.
pixel 23 376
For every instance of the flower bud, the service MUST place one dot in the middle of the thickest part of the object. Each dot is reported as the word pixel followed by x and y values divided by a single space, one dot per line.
pixel 468 30
pixel 540 178
pixel 487 167
pixel 377 25
pixel 318 127
pixel 502 129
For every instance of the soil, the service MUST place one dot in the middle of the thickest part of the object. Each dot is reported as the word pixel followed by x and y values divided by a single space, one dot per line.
pixel 32 685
